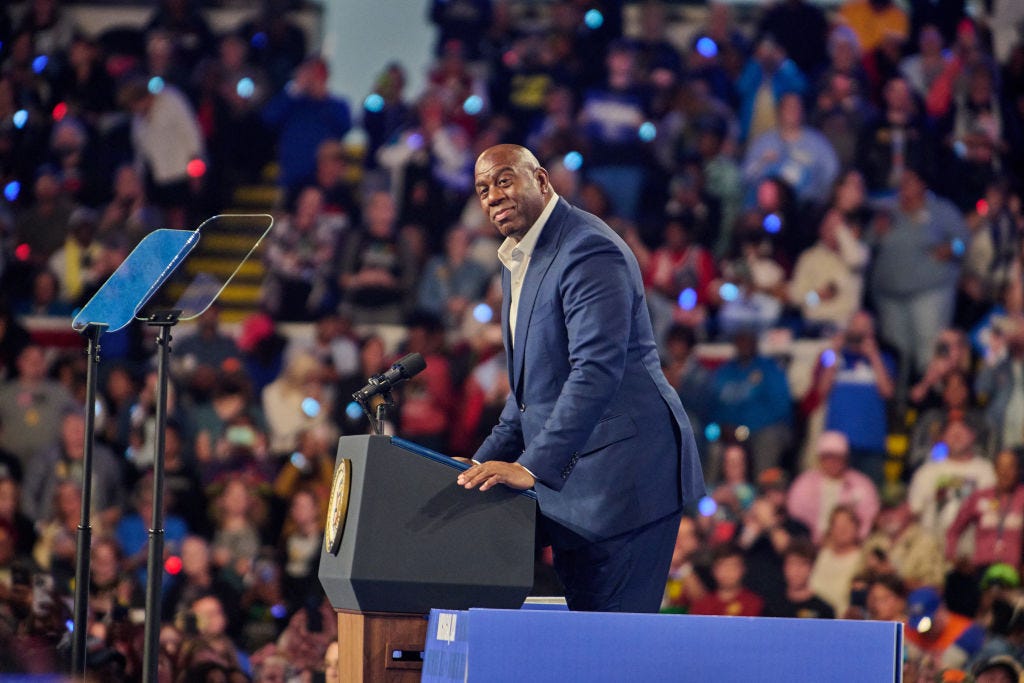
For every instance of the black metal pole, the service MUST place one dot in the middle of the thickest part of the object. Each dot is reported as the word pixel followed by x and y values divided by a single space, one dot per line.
pixel 92 332
pixel 164 320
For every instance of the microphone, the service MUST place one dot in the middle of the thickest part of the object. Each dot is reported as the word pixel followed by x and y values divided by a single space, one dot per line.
pixel 403 369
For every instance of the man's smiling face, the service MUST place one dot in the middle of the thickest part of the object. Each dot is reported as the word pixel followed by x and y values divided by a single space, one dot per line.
pixel 512 189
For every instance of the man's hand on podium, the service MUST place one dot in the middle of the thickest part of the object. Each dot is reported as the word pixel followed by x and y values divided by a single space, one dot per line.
pixel 487 474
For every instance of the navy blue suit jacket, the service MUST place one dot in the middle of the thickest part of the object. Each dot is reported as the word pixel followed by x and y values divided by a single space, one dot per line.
pixel 590 413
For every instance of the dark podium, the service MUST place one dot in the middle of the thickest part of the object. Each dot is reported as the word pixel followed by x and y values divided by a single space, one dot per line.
pixel 401 538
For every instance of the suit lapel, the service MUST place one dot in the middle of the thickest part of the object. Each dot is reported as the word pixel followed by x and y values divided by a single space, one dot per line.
pixel 541 260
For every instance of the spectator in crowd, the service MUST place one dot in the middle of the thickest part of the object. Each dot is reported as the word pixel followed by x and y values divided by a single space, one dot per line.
pixel 167 141
pixel 765 80
pixel 301 260
pixel 198 577
pixel 750 398
pixel 610 118
pixel 799 600
pixel 855 379
pixel 992 260
pixel 129 216
pixel 729 598
pixel 200 355
pixel 678 277
pixel 64 461
pixel 31 407
pixel 795 152
pixel 296 401
pixel 377 269
pixel 427 398
pixel 915 269
pixel 839 559
pixel 937 637
pixel 132 532
pixel 828 281
pixel 887 598
pixel 334 178
pixel 817 492
pixel 74 262
pixel 54 551
pixel 212 635
pixel 955 471
pixel 385 118
pixel 10 510
pixel 44 298
pixel 684 586
pixel 901 546
pixel 450 283
pixel 952 353
pixel 301 539
pixel 734 494
pixel 899 138
pixel 333 344
pixel 1002 385
pixel 44 225
pixel 997 516
pixel 236 542
pixel 922 68
pixel 957 401
pixel 305 114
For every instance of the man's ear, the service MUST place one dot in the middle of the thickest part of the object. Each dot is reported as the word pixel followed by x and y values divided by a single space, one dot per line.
pixel 543 180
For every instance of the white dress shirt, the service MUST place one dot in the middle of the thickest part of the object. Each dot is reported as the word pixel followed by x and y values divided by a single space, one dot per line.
pixel 516 257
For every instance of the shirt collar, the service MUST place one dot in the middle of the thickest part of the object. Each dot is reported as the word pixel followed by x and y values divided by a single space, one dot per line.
pixel 511 251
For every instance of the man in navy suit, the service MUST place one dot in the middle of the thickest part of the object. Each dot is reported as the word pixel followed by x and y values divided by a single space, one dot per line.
pixel 590 423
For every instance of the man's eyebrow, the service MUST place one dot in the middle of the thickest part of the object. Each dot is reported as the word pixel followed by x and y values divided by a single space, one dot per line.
pixel 493 171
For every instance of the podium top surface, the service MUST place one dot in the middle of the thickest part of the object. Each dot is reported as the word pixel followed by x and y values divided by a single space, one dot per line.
pixel 442 458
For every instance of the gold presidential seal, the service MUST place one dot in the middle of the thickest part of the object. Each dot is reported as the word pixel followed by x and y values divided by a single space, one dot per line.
pixel 338 508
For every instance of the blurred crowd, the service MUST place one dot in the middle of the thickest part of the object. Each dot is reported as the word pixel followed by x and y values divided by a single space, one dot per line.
pixel 846 180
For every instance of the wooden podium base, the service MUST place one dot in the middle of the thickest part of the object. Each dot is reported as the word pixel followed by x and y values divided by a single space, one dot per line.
pixel 380 648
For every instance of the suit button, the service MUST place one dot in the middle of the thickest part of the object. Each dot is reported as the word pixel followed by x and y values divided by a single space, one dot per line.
pixel 522 407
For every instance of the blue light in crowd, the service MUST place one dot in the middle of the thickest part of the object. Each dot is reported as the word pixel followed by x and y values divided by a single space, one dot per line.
pixel 279 611
pixel 482 313
pixel 647 131
pixel 245 87
pixel 940 451
pixel 712 432
pixel 39 63
pixel 812 299
pixel 70 626
pixel 373 103
pixel 353 411
pixel 98 410
pixel 12 190
pixel 687 299
pixel 259 40
pixel 958 247
pixel 593 19
pixel 414 141
pixel 772 223
pixel 707 506
pixel 572 161
pixel 828 358
pixel 155 85
pixel 707 48
pixel 20 118
pixel 473 105
pixel 729 292
pixel 310 406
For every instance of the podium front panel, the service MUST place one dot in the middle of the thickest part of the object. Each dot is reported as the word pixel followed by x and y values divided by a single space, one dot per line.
pixel 414 540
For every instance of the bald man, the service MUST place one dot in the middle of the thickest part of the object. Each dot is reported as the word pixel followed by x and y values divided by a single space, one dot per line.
pixel 590 423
